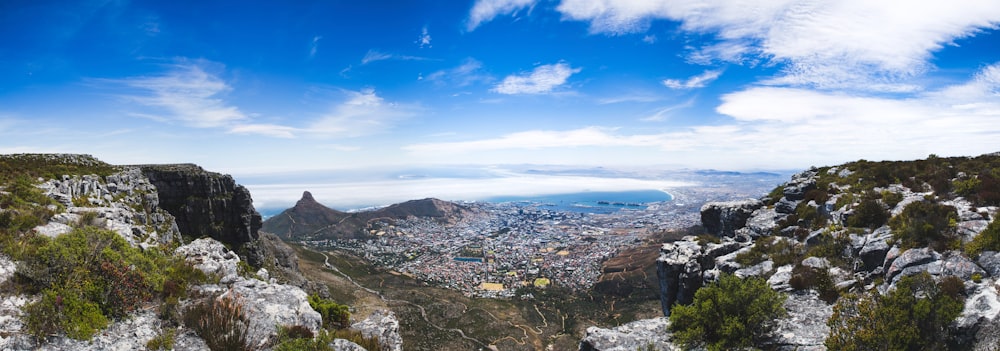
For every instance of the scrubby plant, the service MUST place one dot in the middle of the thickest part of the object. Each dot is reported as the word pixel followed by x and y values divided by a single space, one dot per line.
pixel 63 311
pixel 926 224
pixel 222 323
pixel 891 199
pixel 812 278
pixel 90 267
pixel 913 316
pixel 732 313
pixel 869 213
pixel 163 341
pixel 987 240
pixel 335 315
pixel 777 249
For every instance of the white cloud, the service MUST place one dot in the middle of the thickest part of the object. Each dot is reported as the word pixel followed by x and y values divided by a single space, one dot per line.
pixel 698 81
pixel 485 10
pixel 375 55
pixel 782 127
pixel 314 45
pixel 649 39
pixel 542 80
pixel 363 113
pixel 825 44
pixel 188 94
pixel 539 139
pixel 425 38
pixel 271 130
pixel 665 112
pixel 468 73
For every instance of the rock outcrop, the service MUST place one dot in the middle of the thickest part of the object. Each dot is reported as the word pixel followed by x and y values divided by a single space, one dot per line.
pixel 205 203
pixel 638 335
pixel 384 325
pixel 724 218
pixel 124 202
pixel 267 304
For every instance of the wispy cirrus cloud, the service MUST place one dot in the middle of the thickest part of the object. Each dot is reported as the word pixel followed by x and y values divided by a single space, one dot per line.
pixel 362 113
pixel 314 45
pixel 822 44
pixel 698 81
pixel 376 55
pixel 485 10
pixel 543 79
pixel 468 73
pixel 186 93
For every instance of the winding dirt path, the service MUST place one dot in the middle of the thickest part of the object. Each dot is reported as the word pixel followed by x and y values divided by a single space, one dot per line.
pixel 423 311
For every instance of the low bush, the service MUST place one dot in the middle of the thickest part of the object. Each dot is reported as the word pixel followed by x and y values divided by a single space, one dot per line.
pixel 63 311
pixel 987 240
pixel 817 279
pixel 777 249
pixel 869 213
pixel 732 313
pixel 222 323
pixel 913 316
pixel 926 224
pixel 164 341
pixel 335 316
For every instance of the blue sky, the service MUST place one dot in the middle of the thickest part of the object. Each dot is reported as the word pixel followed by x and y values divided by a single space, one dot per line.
pixel 267 87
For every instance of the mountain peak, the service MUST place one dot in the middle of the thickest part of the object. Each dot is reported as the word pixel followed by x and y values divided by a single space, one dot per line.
pixel 307 200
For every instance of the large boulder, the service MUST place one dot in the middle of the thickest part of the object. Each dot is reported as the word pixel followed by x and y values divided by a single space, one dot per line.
pixel 805 326
pixel 633 336
pixel 384 325
pixel 724 218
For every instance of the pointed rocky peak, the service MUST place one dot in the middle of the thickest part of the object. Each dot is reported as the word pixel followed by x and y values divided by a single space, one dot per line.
pixel 306 200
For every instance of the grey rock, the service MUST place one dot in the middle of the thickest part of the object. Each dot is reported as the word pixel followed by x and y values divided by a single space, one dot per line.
pixel 816 262
pixel 779 280
pixel 800 184
pixel 763 221
pixel 384 325
pixel 876 246
pixel 630 337
pixel 911 258
pixel 756 270
pixel 990 261
pixel 131 333
pixel 205 203
pixel 679 272
pixel 785 206
pixel 211 257
pixel 805 327
pixel 724 218
pixel 345 345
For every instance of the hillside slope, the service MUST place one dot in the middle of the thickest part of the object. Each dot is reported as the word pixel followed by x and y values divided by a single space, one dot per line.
pixel 310 220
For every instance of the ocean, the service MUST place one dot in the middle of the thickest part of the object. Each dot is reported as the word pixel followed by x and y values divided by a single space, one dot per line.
pixel 602 202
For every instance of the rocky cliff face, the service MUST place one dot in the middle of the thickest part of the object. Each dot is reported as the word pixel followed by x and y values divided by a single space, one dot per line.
pixel 205 204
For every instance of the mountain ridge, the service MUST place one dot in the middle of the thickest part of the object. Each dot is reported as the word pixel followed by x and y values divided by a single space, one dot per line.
pixel 309 219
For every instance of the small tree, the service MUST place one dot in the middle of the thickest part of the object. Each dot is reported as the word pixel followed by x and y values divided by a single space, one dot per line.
pixel 732 313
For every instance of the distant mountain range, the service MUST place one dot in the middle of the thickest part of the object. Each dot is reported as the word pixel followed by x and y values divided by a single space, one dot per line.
pixel 310 220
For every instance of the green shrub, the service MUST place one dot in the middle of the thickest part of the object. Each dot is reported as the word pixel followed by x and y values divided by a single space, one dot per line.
pixel 869 213
pixel 729 314
pixel 90 268
pixel 987 240
pixel 164 341
pixel 818 279
pixel 891 199
pixel 926 224
pixel 780 251
pixel 63 311
pixel 913 316
pixel 335 315
pixel 222 323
